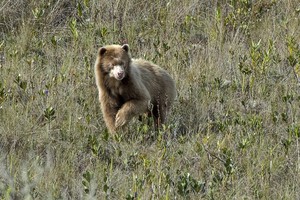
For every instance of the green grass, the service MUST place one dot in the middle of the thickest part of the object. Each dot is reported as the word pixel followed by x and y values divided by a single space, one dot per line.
pixel 234 129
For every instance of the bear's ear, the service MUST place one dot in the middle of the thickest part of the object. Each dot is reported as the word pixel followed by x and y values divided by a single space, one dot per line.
pixel 125 47
pixel 101 51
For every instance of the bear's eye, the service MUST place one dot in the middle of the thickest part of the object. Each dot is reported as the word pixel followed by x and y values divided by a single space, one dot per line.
pixel 110 66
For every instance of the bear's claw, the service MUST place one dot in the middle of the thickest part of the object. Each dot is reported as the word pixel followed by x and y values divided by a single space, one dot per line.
pixel 120 120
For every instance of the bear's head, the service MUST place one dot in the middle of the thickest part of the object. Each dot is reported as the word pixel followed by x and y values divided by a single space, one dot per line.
pixel 114 60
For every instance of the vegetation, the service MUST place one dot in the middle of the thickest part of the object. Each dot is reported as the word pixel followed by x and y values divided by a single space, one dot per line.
pixel 234 130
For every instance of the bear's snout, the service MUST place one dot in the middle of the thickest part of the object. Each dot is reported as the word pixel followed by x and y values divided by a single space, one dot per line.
pixel 117 72
pixel 120 75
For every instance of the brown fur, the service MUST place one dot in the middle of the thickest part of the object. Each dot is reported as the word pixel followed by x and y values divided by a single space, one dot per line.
pixel 145 88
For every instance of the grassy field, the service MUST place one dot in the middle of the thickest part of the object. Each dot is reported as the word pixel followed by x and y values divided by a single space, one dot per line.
pixel 234 131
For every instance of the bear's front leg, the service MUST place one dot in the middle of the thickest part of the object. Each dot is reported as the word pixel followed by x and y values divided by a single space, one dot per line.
pixel 129 110
pixel 109 115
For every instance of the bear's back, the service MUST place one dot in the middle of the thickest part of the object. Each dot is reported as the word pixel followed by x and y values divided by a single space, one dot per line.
pixel 157 80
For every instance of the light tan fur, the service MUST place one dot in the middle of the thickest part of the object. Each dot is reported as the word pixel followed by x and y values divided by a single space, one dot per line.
pixel 145 88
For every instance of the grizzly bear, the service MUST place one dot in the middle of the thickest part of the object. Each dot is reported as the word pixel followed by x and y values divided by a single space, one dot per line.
pixel 131 87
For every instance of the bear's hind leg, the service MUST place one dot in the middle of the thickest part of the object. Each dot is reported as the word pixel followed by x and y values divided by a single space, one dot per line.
pixel 159 115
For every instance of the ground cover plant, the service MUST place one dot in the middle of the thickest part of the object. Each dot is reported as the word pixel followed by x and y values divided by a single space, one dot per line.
pixel 234 129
